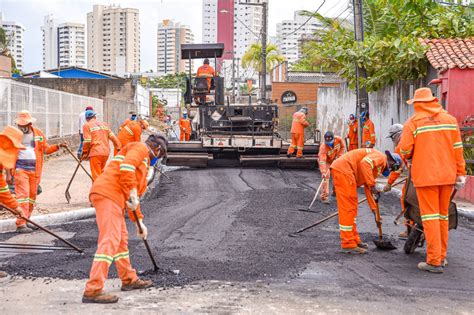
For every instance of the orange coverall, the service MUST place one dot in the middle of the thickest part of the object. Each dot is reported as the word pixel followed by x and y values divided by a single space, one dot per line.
pixel 368 134
pixel 6 197
pixel 185 129
pixel 206 71
pixel 131 132
pixel 96 145
pixel 431 138
pixel 26 182
pixel 353 136
pixel 327 155
pixel 353 169
pixel 297 133
pixel 108 194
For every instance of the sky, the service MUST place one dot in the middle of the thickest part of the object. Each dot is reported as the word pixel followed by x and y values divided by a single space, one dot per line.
pixel 31 14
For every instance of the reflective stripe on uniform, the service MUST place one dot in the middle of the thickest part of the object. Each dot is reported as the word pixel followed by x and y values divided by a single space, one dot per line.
pixel 38 138
pixel 428 217
pixel 103 258
pixel 23 200
pixel 123 255
pixel 118 158
pixel 434 128
pixel 444 217
pixel 457 145
pixel 4 189
pixel 405 152
pixel 368 160
pixel 299 148
pixel 87 140
pixel 368 150
pixel 345 228
pixel 129 130
pixel 127 167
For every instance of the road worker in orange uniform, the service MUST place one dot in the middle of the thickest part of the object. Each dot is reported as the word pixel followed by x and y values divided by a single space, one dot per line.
pixel 96 143
pixel 368 131
pixel 353 169
pixel 353 135
pixel 332 149
pixel 120 187
pixel 185 128
pixel 431 138
pixel 297 132
pixel 133 117
pixel 131 132
pixel 206 71
pixel 29 166
pixel 395 133
pixel 10 145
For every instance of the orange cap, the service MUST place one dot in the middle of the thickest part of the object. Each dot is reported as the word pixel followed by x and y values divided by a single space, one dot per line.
pixel 24 118
pixel 13 136
pixel 422 95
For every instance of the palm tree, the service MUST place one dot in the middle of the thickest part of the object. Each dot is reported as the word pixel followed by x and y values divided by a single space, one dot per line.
pixel 253 57
pixel 4 41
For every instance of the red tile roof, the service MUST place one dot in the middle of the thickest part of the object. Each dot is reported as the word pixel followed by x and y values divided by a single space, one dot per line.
pixel 444 54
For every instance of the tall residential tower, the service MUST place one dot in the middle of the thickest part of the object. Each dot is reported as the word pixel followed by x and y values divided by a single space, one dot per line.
pixel 113 39
pixel 16 45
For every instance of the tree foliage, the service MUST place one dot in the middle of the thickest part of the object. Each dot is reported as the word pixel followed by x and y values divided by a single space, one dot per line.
pixel 169 81
pixel 391 49
pixel 253 57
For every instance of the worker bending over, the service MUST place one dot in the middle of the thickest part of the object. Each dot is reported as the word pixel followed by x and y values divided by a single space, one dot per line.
pixel 184 128
pixel 368 131
pixel 332 149
pixel 120 187
pixel 431 138
pixel 298 126
pixel 29 167
pixel 353 133
pixel 96 143
pixel 354 169
pixel 10 145
pixel 131 132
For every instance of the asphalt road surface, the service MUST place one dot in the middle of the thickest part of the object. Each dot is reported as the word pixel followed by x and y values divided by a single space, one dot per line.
pixel 221 239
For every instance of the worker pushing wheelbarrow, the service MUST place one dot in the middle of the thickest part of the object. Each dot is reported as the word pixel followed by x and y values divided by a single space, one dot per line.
pixel 414 224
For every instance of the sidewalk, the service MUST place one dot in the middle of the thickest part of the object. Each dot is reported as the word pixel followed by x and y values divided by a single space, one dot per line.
pixel 57 172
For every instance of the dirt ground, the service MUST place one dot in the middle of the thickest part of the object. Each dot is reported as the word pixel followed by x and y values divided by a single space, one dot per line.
pixel 221 239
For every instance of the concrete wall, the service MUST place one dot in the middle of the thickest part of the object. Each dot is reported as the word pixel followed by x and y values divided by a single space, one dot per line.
pixel 118 94
pixel 387 106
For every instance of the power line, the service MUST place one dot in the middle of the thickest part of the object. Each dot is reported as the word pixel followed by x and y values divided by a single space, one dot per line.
pixel 306 22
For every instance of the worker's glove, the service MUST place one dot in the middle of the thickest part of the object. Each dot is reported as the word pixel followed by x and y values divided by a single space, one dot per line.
pixel 143 235
pixel 63 145
pixel 374 190
pixel 325 175
pixel 387 188
pixel 460 182
pixel 19 211
pixel 133 201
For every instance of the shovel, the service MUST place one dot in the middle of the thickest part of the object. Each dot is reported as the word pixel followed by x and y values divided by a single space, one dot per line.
pixel 308 208
pixel 66 193
pixel 380 242
pixel 75 158
pixel 155 266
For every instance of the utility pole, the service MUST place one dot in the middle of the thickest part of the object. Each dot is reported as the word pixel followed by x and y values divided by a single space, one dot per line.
pixel 362 97
pixel 233 78
pixel 264 51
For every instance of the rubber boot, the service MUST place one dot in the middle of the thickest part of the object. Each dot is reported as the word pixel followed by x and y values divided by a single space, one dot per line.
pixel 137 285
pixel 355 250
pixel 23 229
pixel 363 245
pixel 100 298
pixel 31 226
pixel 427 267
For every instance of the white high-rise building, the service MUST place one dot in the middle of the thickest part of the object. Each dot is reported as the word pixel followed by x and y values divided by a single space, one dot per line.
pixel 15 33
pixel 290 34
pixel 113 39
pixel 247 24
pixel 170 36
pixel 63 45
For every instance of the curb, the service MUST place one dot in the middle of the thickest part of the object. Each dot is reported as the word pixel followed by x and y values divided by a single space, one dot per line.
pixel 51 219
pixel 461 211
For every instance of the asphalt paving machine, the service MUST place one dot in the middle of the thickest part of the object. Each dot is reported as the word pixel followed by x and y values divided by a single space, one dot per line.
pixel 230 134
